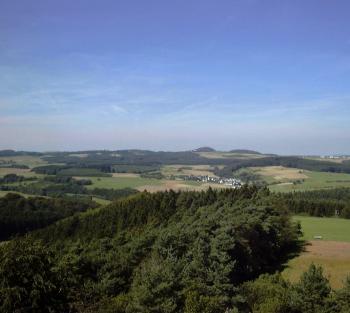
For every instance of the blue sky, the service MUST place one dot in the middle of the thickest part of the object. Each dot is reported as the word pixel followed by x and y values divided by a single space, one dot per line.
pixel 173 75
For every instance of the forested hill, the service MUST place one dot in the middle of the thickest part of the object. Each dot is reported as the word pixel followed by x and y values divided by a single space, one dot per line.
pixel 19 215
pixel 292 162
pixel 158 252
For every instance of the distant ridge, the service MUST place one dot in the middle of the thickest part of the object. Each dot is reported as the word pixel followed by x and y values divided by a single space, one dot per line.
pixel 245 151
pixel 205 149
pixel 11 153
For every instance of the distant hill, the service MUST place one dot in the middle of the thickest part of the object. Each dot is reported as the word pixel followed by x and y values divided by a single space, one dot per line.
pixel 205 149
pixel 11 153
pixel 245 151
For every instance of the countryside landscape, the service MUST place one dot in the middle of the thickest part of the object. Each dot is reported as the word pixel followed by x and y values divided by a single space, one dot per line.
pixel 45 194
pixel 185 156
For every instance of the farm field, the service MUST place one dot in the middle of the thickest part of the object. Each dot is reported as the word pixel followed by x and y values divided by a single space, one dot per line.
pixel 18 171
pixel 30 161
pixel 332 252
pixel 281 179
pixel 229 155
pixel 196 170
pixel 140 183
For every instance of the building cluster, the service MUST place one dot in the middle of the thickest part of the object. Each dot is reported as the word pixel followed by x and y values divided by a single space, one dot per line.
pixel 334 157
pixel 231 182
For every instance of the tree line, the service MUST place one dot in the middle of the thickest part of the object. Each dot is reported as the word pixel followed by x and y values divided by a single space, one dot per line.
pixel 327 202
pixel 292 162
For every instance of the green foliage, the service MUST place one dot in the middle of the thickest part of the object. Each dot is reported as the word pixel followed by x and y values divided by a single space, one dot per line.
pixel 268 294
pixel 197 303
pixel 342 297
pixel 313 290
pixel 163 249
pixel 157 286
pixel 111 194
pixel 319 202
pixel 19 215
pixel 312 294
pixel 28 280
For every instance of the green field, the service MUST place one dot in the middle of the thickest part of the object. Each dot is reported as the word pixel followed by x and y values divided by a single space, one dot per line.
pixel 122 182
pixel 334 229
pixel 140 183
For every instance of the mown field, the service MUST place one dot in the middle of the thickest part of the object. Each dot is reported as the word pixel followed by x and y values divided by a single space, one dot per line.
pixel 332 252
pixel 140 183
pixel 334 229
pixel 30 161
pixel 196 170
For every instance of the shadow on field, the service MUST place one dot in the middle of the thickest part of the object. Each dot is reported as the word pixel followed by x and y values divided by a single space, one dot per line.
pixel 293 251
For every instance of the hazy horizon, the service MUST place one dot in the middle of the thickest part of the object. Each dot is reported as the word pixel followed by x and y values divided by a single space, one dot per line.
pixel 270 76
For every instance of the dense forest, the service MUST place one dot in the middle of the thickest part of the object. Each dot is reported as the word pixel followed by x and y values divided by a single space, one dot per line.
pixel 19 215
pixel 215 251
pixel 331 202
pixel 158 252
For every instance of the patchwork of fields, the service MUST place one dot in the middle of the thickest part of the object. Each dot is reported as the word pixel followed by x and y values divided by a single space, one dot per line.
pixel 282 179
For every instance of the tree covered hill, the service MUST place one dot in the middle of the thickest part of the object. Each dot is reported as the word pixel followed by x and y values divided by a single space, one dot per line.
pixel 173 252
pixel 155 252
pixel 19 215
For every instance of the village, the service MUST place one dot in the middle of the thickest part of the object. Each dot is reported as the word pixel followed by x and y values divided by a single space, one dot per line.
pixel 231 182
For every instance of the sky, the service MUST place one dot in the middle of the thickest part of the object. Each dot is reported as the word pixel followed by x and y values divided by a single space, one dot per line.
pixel 268 75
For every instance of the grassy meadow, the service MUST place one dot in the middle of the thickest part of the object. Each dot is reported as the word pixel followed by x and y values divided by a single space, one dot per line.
pixel 330 228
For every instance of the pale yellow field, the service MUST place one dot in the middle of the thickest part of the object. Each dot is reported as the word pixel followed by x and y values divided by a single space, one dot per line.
pixel 19 171
pixel 228 155
pixel 31 161
pixel 281 173
pixel 79 155
pixel 333 256
pixel 125 175
pixel 196 170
